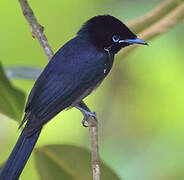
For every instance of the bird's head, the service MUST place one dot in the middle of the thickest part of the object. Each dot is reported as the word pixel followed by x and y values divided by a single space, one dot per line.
pixel 108 33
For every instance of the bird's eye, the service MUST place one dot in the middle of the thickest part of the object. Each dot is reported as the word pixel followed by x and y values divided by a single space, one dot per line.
pixel 116 38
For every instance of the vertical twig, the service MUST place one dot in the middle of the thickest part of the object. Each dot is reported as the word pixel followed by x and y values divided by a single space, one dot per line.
pixel 36 28
pixel 38 32
pixel 93 129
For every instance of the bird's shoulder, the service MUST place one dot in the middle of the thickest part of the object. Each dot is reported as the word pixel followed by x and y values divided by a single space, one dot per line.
pixel 77 51
pixel 77 61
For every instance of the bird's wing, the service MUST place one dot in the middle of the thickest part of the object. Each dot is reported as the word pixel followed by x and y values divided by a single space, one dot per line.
pixel 60 85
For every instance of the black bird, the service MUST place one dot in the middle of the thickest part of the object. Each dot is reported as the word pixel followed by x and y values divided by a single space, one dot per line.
pixel 71 75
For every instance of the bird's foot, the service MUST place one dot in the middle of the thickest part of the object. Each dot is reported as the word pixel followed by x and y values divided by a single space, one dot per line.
pixel 86 114
pixel 93 114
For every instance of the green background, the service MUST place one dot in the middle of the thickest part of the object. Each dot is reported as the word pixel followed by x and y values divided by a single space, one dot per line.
pixel 141 120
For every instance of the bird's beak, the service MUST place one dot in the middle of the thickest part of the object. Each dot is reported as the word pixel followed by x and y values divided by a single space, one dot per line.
pixel 134 41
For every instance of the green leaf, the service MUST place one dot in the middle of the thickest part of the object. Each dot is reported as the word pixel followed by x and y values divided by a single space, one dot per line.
pixel 68 163
pixel 1 166
pixel 11 99
pixel 22 72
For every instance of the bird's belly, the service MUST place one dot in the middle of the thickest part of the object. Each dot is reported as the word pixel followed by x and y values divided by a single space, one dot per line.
pixel 86 93
pixel 104 72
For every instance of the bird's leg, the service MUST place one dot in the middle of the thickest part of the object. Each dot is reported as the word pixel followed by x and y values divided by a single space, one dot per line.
pixel 86 112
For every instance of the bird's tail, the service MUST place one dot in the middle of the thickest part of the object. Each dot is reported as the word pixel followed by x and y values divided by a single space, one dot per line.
pixel 20 155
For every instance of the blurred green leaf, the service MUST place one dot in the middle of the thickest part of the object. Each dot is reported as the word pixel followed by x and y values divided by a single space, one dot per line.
pixel 68 162
pixel 23 72
pixel 11 99
pixel 1 166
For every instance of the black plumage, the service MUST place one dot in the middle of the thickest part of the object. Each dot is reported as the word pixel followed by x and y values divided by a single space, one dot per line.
pixel 72 74
pixel 69 77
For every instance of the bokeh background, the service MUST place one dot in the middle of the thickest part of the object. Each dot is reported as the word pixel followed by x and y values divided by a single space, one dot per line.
pixel 141 116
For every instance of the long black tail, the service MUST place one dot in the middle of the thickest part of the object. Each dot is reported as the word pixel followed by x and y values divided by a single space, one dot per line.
pixel 19 156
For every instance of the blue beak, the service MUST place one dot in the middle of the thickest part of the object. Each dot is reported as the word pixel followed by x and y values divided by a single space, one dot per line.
pixel 134 41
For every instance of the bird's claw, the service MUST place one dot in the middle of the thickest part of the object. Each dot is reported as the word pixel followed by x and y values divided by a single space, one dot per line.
pixel 93 114
pixel 86 114
pixel 84 121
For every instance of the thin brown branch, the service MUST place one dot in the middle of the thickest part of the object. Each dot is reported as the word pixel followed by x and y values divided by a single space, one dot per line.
pixel 36 28
pixel 93 129
pixel 37 32
pixel 162 25
pixel 140 23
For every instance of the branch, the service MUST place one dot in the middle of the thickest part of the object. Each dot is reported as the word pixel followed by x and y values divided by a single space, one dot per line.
pixel 93 129
pixel 38 32
pixel 36 28
pixel 140 23
pixel 155 23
